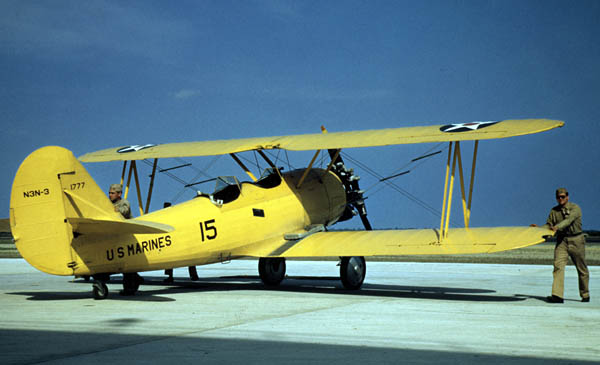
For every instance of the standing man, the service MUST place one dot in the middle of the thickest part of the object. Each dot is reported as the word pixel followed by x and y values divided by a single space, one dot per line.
pixel 565 220
pixel 121 205
pixel 131 281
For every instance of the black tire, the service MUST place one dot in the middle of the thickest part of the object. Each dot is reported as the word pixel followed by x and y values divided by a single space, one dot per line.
pixel 101 277
pixel 353 271
pixel 99 290
pixel 131 283
pixel 271 270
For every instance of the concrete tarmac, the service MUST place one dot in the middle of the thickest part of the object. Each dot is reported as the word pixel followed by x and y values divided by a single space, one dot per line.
pixel 405 313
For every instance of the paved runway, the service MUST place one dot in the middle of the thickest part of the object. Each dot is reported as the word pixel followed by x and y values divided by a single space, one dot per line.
pixel 406 312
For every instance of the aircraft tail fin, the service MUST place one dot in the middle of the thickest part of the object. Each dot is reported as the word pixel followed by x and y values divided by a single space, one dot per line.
pixel 51 194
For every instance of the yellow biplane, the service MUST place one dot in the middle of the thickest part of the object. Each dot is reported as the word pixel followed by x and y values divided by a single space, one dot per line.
pixel 64 224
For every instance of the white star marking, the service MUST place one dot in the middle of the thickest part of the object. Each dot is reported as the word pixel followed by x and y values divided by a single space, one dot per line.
pixel 134 148
pixel 462 127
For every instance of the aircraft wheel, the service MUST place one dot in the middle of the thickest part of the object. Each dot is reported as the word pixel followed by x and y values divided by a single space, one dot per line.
pixel 353 271
pixel 99 290
pixel 271 270
pixel 131 283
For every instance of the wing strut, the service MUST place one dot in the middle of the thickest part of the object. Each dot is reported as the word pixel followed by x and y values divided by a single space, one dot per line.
pixel 137 186
pixel 236 159
pixel 323 131
pixel 449 187
pixel 151 186
pixel 471 183
pixel 123 173
pixel 126 187
pixel 307 170
pixel 133 169
pixel 262 154
pixel 334 158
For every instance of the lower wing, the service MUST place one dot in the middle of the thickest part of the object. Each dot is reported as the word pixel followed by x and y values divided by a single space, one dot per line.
pixel 410 242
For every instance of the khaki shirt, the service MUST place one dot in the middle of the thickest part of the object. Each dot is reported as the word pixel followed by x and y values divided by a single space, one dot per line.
pixel 122 206
pixel 567 219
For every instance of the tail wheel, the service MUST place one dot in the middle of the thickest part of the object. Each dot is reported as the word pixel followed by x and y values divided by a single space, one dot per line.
pixel 353 271
pixel 271 270
pixel 99 290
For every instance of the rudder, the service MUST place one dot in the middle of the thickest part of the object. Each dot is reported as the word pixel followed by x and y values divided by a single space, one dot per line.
pixel 50 186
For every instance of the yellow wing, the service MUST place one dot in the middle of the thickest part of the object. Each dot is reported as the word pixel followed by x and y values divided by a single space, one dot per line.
pixel 367 138
pixel 409 242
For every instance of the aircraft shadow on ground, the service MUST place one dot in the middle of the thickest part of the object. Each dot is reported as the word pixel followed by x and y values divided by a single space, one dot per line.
pixel 149 296
pixel 155 289
pixel 33 346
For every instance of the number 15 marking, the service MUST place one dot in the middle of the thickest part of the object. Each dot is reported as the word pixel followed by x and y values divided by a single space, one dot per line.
pixel 206 227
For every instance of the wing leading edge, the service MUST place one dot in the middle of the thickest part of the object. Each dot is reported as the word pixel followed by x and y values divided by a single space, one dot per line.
pixel 411 242
pixel 353 139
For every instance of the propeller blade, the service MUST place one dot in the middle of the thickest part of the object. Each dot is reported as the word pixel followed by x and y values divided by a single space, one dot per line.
pixel 354 196
pixel 363 218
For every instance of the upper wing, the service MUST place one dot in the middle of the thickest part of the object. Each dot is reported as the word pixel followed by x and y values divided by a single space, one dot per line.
pixel 408 242
pixel 367 138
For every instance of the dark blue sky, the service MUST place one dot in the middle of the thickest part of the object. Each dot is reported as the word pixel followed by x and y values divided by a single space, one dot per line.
pixel 92 75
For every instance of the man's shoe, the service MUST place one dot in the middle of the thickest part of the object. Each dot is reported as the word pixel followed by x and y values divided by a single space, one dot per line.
pixel 554 299
pixel 585 300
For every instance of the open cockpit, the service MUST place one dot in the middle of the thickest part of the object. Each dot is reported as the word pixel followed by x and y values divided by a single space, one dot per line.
pixel 229 188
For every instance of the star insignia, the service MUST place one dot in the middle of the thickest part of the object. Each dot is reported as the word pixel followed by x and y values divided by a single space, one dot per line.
pixel 134 148
pixel 465 127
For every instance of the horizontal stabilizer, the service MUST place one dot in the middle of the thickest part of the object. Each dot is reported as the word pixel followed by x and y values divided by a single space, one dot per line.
pixel 412 242
pixel 94 226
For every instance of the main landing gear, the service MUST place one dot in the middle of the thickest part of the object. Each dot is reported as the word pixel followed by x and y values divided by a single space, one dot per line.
pixel 131 284
pixel 271 270
pixel 352 271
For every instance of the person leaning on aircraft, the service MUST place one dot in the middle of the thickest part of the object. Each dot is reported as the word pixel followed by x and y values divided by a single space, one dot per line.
pixel 121 205
pixel 565 220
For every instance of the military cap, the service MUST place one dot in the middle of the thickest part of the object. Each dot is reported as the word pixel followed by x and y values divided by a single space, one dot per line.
pixel 116 187
pixel 561 191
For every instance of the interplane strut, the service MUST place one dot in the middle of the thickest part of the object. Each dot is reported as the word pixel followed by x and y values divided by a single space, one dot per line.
pixel 449 187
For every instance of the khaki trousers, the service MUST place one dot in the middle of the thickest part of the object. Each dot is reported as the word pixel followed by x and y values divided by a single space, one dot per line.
pixel 573 247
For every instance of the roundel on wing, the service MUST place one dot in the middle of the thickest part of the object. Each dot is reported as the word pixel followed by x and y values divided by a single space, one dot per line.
pixel 465 127
pixel 134 148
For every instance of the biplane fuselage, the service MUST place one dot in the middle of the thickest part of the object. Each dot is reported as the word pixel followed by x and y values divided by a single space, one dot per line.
pixel 229 224
pixel 242 219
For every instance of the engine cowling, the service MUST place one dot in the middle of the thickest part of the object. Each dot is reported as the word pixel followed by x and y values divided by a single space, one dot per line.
pixel 321 194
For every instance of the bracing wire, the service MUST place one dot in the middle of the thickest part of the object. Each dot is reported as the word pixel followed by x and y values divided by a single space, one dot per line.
pixel 420 159
pixel 394 186
pixel 199 172
pixel 169 174
pixel 288 160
